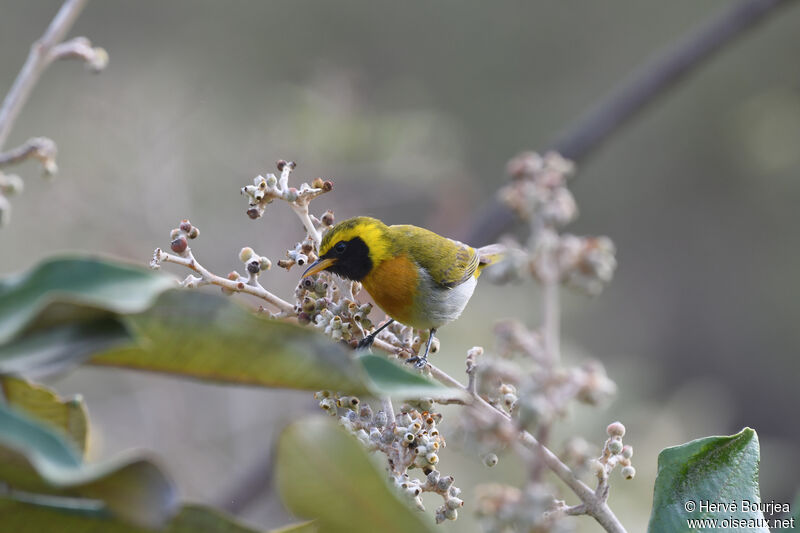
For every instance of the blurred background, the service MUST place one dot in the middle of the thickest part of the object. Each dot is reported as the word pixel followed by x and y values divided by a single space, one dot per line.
pixel 413 109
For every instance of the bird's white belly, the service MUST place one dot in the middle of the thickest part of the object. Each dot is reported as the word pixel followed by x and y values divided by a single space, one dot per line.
pixel 443 305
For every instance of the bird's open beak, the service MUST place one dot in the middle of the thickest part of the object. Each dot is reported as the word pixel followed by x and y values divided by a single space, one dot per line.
pixel 318 266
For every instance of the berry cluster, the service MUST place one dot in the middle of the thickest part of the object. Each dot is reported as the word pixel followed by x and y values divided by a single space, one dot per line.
pixel 338 313
pixel 410 439
pixel 538 194
pixel 615 453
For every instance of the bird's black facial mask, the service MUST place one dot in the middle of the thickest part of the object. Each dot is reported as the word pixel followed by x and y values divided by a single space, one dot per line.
pixel 352 259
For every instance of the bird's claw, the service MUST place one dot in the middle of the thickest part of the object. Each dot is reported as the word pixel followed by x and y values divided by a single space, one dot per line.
pixel 365 343
pixel 419 362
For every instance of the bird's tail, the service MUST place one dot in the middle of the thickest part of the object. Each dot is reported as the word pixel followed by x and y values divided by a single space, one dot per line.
pixel 489 255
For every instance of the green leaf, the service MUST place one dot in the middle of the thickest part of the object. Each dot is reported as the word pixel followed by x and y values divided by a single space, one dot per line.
pixel 46 352
pixel 211 337
pixel 36 459
pixel 324 473
pixel 390 379
pixel 27 517
pixel 303 527
pixel 67 310
pixel 713 471
pixel 73 289
pixel 44 405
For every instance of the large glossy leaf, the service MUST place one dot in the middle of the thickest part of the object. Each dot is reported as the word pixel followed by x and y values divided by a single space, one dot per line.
pixel 74 289
pixel 42 404
pixel 324 473
pixel 391 379
pixel 26 517
pixel 36 459
pixel 208 336
pixel 303 527
pixel 69 309
pixel 50 351
pixel 708 478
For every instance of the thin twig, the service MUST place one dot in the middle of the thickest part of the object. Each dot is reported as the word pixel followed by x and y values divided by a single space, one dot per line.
pixel 633 96
pixel 41 148
pixel 207 278
pixel 301 210
pixel 595 506
pixel 38 59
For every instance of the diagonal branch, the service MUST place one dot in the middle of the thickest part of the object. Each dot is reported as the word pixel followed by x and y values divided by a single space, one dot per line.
pixel 42 149
pixel 38 59
pixel 635 94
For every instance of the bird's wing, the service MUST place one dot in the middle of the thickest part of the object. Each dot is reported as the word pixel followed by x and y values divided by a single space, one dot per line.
pixel 449 263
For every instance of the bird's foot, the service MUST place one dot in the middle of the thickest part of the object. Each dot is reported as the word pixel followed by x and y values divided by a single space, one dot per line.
pixel 419 362
pixel 365 343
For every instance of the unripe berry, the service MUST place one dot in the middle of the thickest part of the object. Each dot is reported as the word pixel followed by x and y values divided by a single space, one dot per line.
pixel 509 399
pixel 13 185
pixel 628 472
pixel 245 254
pixel 179 245
pixel 454 503
pixel 327 218
pixel 615 446
pixel 627 451
pixel 194 232
pixel 432 458
pixel 265 263
pixel 174 234
pixel 490 459
pixel 318 183
pixel 616 429
pixel 444 483
pixel 506 388
pixel 320 288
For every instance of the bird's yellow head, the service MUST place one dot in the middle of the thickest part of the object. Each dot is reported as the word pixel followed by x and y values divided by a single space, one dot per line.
pixel 352 248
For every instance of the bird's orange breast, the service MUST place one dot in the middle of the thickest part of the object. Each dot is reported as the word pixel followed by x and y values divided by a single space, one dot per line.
pixel 393 285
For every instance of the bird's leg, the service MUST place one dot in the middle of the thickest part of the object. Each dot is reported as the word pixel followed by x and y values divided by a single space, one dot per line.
pixel 367 341
pixel 419 362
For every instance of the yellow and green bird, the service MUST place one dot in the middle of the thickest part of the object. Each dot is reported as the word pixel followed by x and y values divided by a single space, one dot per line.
pixel 417 277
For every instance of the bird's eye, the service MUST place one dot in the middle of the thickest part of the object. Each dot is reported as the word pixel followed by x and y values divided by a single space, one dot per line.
pixel 340 247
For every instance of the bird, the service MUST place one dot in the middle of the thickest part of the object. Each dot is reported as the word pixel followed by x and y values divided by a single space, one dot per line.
pixel 416 276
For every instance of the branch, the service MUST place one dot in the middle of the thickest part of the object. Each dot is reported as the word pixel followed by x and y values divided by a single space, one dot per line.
pixel 207 278
pixel 594 504
pixel 641 89
pixel 38 59
pixel 42 149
